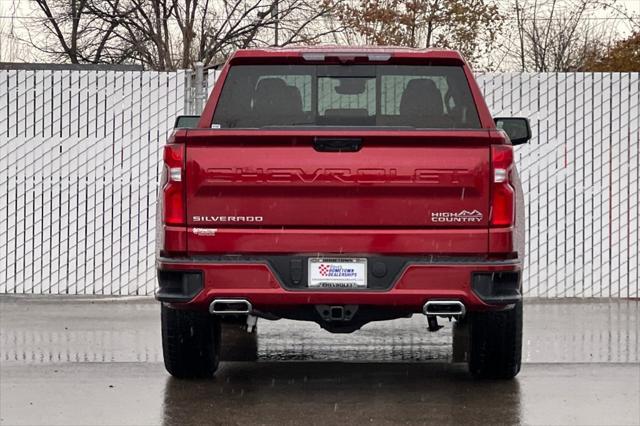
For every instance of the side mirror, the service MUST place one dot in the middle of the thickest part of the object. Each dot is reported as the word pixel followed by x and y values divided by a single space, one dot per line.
pixel 186 122
pixel 517 128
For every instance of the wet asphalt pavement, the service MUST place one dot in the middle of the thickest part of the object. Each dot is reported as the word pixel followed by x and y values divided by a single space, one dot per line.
pixel 99 362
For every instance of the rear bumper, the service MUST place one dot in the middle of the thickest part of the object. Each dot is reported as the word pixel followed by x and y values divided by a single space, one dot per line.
pixel 480 285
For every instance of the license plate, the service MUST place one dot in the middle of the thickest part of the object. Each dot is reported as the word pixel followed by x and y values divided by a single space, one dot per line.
pixel 338 273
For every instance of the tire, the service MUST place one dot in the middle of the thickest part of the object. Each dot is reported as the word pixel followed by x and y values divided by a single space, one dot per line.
pixel 496 343
pixel 190 343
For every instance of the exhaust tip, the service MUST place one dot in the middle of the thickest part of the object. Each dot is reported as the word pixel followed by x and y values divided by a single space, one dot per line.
pixel 230 306
pixel 444 308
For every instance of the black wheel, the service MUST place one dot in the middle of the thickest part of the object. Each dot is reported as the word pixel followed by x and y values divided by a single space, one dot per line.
pixel 190 343
pixel 496 343
pixel 237 343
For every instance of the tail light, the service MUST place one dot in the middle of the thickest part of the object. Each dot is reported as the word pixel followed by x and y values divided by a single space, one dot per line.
pixel 172 184
pixel 502 192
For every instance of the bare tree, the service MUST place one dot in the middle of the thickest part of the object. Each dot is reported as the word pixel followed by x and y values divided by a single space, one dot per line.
pixel 210 32
pixel 142 31
pixel 72 33
pixel 171 34
pixel 12 47
pixel 560 36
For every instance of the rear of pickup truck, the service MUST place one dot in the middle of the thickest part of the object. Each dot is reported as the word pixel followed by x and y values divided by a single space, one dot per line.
pixel 342 187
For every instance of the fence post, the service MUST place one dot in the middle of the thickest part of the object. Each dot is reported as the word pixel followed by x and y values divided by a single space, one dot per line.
pixel 188 95
pixel 199 89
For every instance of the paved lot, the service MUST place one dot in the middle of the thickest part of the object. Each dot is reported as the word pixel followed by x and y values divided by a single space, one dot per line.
pixel 99 362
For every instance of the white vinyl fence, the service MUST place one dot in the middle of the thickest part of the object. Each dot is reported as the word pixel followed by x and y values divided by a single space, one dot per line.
pixel 79 166
pixel 80 154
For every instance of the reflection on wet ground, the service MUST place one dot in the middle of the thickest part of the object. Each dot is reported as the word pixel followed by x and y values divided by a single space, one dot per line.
pixel 553 332
pixel 97 362
pixel 327 393
pixel 59 330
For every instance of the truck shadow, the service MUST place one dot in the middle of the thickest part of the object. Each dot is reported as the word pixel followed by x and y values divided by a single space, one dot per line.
pixel 341 393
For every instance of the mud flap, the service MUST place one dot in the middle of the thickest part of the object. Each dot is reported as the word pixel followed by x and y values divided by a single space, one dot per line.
pixel 237 344
pixel 461 341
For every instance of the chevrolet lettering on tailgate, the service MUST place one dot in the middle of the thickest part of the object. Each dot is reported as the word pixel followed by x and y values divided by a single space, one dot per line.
pixel 424 176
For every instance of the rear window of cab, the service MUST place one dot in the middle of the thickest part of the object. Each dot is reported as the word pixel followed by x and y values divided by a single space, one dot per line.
pixel 402 96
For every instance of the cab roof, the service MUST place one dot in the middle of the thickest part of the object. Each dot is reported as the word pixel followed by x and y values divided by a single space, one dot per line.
pixel 373 53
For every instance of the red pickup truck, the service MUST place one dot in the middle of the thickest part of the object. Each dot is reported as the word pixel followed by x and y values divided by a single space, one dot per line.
pixel 342 186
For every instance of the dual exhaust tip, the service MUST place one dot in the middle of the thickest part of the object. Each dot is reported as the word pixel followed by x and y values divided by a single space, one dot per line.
pixel 444 308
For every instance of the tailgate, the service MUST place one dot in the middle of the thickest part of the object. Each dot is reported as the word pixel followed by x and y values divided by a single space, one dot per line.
pixel 438 180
